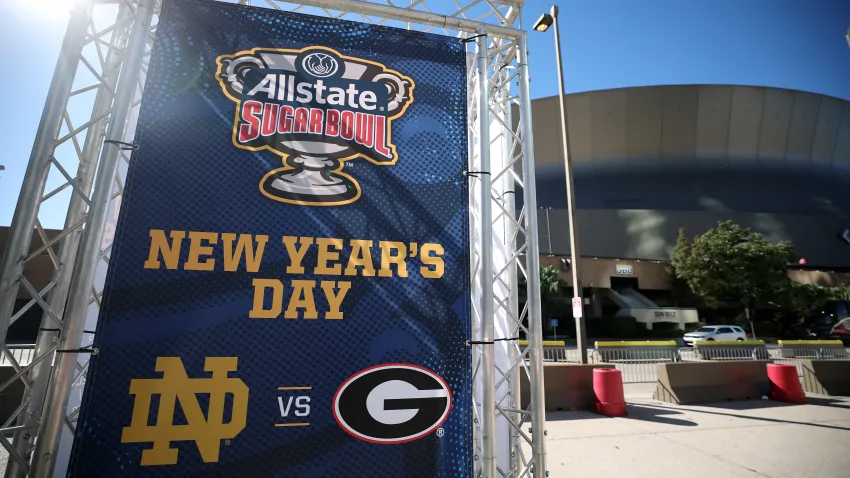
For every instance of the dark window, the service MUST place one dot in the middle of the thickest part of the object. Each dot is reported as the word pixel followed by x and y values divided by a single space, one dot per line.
pixel 725 330
pixel 25 329
pixel 840 309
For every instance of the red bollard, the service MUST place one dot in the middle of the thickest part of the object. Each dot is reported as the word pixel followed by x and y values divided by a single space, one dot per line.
pixel 785 384
pixel 608 388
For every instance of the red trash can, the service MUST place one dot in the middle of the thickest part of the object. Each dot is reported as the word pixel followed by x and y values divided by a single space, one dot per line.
pixel 785 384
pixel 608 388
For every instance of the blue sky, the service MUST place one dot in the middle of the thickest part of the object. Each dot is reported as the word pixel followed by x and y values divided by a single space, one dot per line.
pixel 606 44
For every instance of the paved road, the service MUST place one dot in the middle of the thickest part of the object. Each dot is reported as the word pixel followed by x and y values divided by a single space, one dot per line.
pixel 731 439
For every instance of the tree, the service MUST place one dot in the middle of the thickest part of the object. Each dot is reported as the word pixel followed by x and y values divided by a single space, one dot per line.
pixel 680 290
pixel 798 300
pixel 550 281
pixel 733 264
pixel 551 302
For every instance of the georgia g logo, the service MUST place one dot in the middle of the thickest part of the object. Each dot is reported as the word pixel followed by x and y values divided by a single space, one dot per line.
pixel 392 403
pixel 317 109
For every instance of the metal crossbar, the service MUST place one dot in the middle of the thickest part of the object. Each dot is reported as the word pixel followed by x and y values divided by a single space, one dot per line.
pixel 93 58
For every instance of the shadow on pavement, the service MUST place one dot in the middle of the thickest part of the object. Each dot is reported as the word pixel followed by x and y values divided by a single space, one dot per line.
pixel 730 406
pixel 652 414
pixel 829 402
pixel 574 415
pixel 746 404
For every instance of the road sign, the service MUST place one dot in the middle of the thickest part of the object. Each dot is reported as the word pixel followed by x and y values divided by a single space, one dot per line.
pixel 554 322
pixel 577 308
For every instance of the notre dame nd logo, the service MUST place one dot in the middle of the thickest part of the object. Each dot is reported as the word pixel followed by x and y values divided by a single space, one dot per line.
pixel 207 432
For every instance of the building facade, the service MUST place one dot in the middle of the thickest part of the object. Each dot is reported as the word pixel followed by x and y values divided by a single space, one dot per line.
pixel 651 160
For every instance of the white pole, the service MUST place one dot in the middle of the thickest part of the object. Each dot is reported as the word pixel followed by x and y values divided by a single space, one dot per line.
pixel 535 325
pixel 488 382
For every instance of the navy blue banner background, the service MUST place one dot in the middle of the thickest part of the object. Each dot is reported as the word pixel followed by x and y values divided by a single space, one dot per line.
pixel 187 175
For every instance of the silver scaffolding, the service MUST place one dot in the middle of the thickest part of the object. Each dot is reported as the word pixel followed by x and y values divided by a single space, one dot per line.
pixel 103 62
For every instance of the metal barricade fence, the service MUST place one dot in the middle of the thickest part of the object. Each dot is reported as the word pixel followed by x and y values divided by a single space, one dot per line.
pixel 560 354
pixel 22 354
pixel 640 364
pixel 731 350
pixel 795 352
pixel 637 364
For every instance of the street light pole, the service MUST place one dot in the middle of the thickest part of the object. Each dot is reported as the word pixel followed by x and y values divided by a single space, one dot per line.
pixel 581 334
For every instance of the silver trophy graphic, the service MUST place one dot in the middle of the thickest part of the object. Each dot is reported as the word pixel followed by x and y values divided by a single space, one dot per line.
pixel 316 108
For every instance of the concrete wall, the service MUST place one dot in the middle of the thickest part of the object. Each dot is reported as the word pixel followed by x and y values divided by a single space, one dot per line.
pixel 597 272
pixel 651 234
pixel 698 126
pixel 651 160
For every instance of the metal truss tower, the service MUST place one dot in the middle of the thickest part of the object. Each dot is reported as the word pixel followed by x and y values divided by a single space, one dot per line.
pixel 101 71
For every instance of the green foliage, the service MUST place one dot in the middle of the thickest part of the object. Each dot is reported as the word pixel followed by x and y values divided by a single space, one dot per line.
pixel 551 301
pixel 550 281
pixel 680 291
pixel 732 264
pixel 799 299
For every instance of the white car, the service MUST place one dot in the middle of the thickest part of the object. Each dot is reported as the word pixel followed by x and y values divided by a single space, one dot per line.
pixel 715 332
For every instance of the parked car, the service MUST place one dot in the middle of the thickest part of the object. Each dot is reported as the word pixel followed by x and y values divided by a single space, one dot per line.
pixel 841 331
pixel 715 332
pixel 830 322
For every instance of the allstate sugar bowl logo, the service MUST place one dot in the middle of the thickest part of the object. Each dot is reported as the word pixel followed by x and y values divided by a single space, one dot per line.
pixel 317 109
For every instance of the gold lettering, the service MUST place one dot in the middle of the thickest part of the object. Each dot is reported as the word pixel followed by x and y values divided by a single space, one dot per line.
pixel 302 298
pixel 252 260
pixel 296 254
pixel 432 260
pixel 198 249
pixel 387 259
pixel 160 246
pixel 361 256
pixel 326 255
pixel 260 286
pixel 335 298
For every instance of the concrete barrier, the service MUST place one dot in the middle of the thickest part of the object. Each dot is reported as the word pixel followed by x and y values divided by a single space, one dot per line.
pixel 731 350
pixel 826 377
pixel 568 387
pixel 701 382
pixel 815 349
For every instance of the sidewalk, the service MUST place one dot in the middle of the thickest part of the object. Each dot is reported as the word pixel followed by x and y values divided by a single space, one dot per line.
pixel 732 439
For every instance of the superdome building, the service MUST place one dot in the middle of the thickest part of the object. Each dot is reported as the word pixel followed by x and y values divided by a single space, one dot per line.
pixel 650 160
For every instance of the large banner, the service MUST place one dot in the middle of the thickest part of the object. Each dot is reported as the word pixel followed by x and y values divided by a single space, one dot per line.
pixel 288 291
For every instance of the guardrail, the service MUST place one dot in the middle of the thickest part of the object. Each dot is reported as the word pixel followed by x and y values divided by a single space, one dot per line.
pixel 794 352
pixel 731 350
pixel 813 349
pixel 556 351
pixel 638 361
pixel 23 354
